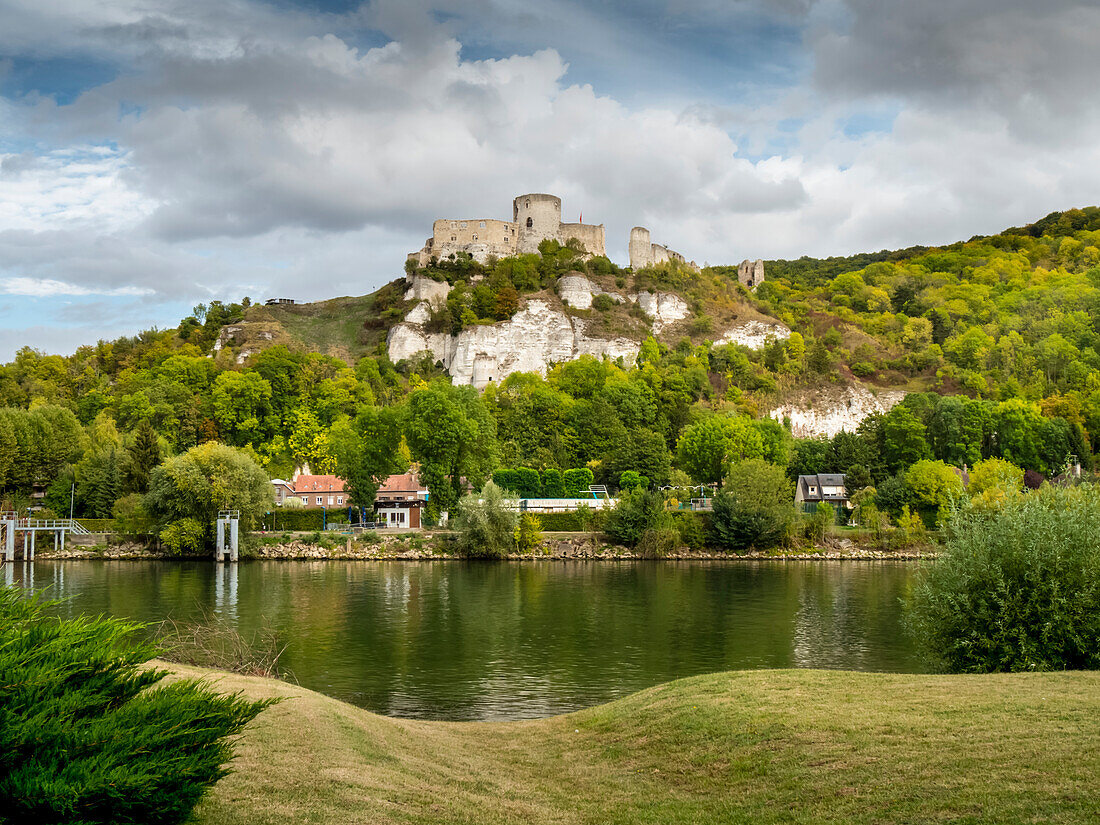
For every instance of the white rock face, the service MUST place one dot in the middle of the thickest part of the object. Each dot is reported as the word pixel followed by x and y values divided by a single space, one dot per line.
pixel 663 308
pixel 575 290
pixel 754 334
pixel 419 314
pixel 842 410
pixel 578 291
pixel 419 288
pixel 530 341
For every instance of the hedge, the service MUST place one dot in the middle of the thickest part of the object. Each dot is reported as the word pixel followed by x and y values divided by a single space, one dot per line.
pixel 303 519
pixel 97 525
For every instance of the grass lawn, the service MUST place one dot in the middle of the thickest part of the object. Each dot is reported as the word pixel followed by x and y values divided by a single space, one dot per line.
pixel 754 747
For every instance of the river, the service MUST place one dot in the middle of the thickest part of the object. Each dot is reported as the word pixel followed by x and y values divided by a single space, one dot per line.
pixel 501 641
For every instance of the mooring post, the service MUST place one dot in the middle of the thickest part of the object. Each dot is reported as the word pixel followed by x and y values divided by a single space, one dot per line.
pixel 233 539
pixel 29 556
pixel 9 539
pixel 219 548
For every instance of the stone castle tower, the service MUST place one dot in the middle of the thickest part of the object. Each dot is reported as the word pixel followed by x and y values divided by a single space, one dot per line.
pixel 537 217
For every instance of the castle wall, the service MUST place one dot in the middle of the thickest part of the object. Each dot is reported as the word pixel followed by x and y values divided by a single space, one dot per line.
pixel 751 274
pixel 478 237
pixel 537 217
pixel 590 235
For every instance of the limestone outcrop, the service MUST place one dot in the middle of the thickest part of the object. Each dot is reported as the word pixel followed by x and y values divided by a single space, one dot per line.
pixel 578 291
pixel 754 334
pixel 533 339
pixel 419 288
pixel 827 413
pixel 662 308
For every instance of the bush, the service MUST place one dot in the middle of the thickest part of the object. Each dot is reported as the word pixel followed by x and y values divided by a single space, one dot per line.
pixel 1017 588
pixel 485 524
pixel 692 532
pixel 603 302
pixel 183 537
pixel 637 511
pixel 629 479
pixel 755 508
pixel 553 486
pixel 658 541
pixel 84 738
pixel 576 481
pixel 131 518
pixel 528 533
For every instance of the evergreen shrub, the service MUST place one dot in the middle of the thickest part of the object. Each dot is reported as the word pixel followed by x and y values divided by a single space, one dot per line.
pixel 86 738
pixel 1016 588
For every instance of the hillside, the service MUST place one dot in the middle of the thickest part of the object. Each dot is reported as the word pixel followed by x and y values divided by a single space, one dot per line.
pixel 993 343
pixel 756 746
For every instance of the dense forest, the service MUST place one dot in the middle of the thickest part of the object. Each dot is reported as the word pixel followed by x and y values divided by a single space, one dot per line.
pixel 995 339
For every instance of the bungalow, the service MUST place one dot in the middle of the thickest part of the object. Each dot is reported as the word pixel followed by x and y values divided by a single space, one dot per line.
pixel 811 490
pixel 399 500
pixel 314 490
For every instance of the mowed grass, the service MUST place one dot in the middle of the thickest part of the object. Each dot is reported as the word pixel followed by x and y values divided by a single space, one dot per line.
pixel 756 746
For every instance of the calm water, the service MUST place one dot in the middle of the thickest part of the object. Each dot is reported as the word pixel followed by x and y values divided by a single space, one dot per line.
pixel 458 640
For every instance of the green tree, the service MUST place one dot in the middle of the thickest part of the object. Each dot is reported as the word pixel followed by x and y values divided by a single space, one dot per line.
pixel 486 523
pixel 204 480
pixel 242 407
pixel 630 479
pixel 936 488
pixel 706 448
pixel 366 451
pixel 755 508
pixel 142 456
pixel 904 439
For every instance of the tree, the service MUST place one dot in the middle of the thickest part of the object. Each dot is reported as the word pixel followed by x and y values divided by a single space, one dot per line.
pixel 904 439
pixel 755 508
pixel 204 480
pixel 552 484
pixel 452 435
pixel 242 407
pixel 486 523
pixel 89 736
pixel 995 479
pixel 366 451
pixel 706 448
pixel 141 457
pixel 637 512
pixel 528 534
pixel 1014 589
pixel 576 481
pixel 630 479
pixel 935 487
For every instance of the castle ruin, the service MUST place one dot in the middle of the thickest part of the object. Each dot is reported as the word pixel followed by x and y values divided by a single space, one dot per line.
pixel 535 218
pixel 751 274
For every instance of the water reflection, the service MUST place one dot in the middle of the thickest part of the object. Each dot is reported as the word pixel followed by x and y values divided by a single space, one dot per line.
pixel 453 640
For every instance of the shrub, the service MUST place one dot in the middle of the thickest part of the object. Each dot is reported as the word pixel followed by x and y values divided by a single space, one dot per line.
pixel 577 480
pixel 658 541
pixel 485 524
pixel 1017 588
pixel 629 479
pixel 552 484
pixel 528 533
pixel 603 302
pixel 637 511
pixel 691 530
pixel 755 508
pixel 85 738
pixel 131 518
pixel 183 537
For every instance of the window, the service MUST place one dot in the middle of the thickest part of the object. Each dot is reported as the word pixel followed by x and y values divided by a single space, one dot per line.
pixel 339 499
pixel 482 224
pixel 462 225
pixel 453 238
pixel 530 223
pixel 305 499
pixel 330 501
pixel 813 490
pixel 475 236
pixel 527 205
pixel 401 518
pixel 318 499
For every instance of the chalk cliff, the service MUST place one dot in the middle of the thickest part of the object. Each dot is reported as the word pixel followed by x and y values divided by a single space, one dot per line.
pixel 533 339
pixel 827 413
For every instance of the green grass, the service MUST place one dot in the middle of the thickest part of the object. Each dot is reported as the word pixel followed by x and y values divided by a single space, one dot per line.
pixel 740 747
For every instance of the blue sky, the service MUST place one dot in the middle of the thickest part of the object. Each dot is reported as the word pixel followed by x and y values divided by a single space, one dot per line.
pixel 162 153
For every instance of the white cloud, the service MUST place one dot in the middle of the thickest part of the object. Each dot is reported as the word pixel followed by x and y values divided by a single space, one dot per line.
pixel 47 288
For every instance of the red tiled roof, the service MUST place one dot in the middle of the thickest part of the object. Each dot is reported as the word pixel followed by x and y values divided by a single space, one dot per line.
pixel 403 483
pixel 317 484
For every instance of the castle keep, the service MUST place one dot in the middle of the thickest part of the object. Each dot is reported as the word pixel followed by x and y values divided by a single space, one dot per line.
pixel 535 218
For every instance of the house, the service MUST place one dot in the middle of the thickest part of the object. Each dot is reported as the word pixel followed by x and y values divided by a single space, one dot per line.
pixel 399 501
pixel 811 490
pixel 314 490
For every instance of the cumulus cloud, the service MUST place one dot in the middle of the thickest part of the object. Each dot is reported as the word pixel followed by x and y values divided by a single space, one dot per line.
pixel 256 148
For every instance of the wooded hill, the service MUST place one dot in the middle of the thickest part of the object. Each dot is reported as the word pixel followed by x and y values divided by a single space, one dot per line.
pixel 1002 330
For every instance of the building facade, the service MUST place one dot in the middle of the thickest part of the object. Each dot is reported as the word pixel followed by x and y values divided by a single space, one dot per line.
pixel 827 487
pixel 314 490
pixel 400 500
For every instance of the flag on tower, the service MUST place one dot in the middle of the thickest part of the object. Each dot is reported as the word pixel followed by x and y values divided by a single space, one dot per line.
pixel 581 219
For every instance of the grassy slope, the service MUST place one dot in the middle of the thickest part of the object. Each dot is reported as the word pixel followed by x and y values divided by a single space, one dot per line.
pixel 755 746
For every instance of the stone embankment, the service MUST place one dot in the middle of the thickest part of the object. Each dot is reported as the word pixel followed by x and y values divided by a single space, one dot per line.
pixel 554 547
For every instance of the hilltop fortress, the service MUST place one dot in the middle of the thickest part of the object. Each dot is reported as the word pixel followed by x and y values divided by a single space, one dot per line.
pixel 535 218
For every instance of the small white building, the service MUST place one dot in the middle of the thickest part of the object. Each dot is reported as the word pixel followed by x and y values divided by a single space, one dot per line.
pixel 400 500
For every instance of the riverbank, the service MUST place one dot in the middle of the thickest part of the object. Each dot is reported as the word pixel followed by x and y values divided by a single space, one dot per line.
pixel 746 746
pixel 435 547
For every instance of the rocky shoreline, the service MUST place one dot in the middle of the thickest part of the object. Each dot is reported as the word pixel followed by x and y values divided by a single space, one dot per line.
pixel 392 548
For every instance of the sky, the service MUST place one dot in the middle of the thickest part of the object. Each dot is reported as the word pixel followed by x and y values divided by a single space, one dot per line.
pixel 155 154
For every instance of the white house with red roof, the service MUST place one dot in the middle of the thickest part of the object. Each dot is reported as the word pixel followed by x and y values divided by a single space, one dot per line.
pixel 314 490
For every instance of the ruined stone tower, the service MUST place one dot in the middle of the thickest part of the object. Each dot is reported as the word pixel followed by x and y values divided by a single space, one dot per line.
pixel 641 250
pixel 537 217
